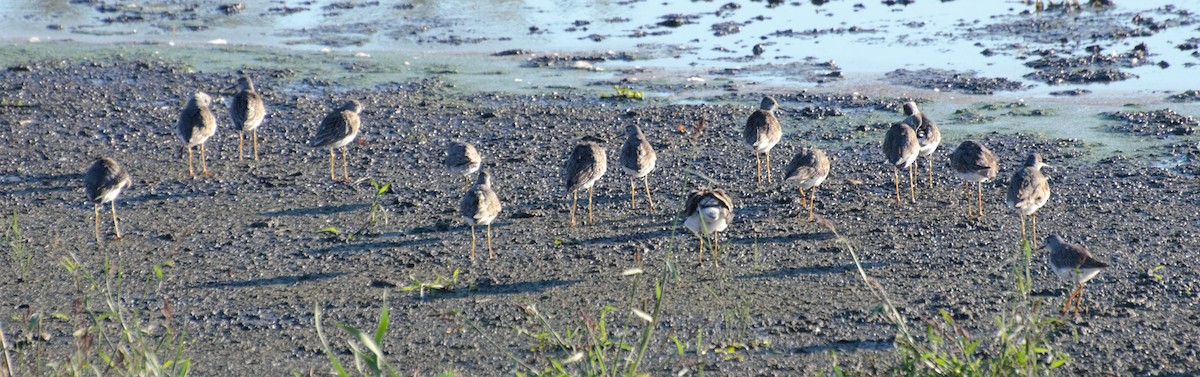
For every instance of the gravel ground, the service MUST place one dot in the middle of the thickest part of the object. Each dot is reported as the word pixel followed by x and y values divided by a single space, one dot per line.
pixel 247 265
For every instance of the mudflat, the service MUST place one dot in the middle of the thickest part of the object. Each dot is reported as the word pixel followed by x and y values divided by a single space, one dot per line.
pixel 245 261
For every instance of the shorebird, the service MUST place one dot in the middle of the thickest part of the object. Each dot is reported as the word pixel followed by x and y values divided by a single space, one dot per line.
pixel 462 159
pixel 102 183
pixel 338 128
pixel 196 124
pixel 708 212
pixel 808 169
pixel 637 160
pixel 974 162
pixel 479 207
pixel 587 164
pixel 761 134
pixel 1028 191
pixel 247 112
pixel 901 147
pixel 928 134
pixel 1075 264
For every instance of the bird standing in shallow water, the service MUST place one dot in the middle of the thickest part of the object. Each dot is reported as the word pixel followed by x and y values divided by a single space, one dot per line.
pixel 637 160
pixel 196 124
pixel 1075 264
pixel 103 182
pixel 462 159
pixel 808 169
pixel 1027 191
pixel 973 162
pixel 761 134
pixel 480 207
pixel 708 212
pixel 247 112
pixel 928 134
pixel 901 148
pixel 338 128
pixel 588 162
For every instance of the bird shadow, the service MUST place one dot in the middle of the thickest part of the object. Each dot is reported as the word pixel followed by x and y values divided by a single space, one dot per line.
pixel 355 247
pixel 628 237
pixel 1193 372
pixel 815 236
pixel 813 270
pixel 161 197
pixel 326 210
pixel 277 280
pixel 848 346
pixel 48 183
pixel 487 289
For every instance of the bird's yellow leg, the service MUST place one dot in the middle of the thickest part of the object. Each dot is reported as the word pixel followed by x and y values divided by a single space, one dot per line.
pixel 646 181
pixel 116 227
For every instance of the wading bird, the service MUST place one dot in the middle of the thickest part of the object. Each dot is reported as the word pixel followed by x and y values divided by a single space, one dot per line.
pixel 761 134
pixel 928 134
pixel 588 162
pixel 196 124
pixel 1075 264
pixel 637 160
pixel 708 212
pixel 1027 191
pixel 338 128
pixel 973 162
pixel 901 148
pixel 479 207
pixel 808 169
pixel 103 182
pixel 247 112
pixel 462 159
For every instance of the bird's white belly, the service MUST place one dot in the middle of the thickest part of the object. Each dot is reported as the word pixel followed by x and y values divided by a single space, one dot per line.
pixel 763 145
pixel 466 169
pixel 1079 276
pixel 707 225
pixel 486 220
pixel 110 195
pixel 811 182
pixel 972 177
pixel 344 141
pixel 927 149
pixel 638 173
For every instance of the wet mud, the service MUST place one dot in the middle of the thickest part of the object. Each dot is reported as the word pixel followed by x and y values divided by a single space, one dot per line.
pixel 248 263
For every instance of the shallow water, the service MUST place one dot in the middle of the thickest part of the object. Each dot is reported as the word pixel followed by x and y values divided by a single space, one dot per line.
pixel 364 43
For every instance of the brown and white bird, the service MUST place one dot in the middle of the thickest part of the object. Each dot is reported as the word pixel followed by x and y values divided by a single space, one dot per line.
pixel 480 206
pixel 974 162
pixel 246 110
pixel 708 212
pixel 337 130
pixel 808 169
pixel 637 160
pixel 1075 264
pixel 901 148
pixel 588 162
pixel 196 124
pixel 1027 191
pixel 462 159
pixel 761 134
pixel 102 183
pixel 928 134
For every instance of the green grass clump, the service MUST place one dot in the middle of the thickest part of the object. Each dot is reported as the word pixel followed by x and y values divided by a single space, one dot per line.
pixel 377 215
pixel 625 93
pixel 112 335
pixel 14 243
pixel 1021 345
pixel 366 348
